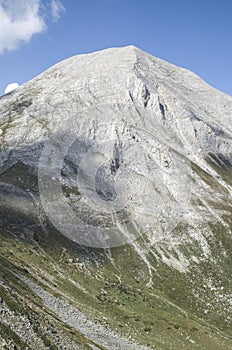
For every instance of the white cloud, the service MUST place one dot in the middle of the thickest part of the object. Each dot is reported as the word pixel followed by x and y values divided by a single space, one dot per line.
pixel 56 8
pixel 21 19
pixel 11 87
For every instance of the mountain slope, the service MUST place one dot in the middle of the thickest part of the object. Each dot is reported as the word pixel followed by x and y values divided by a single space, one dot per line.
pixel 115 191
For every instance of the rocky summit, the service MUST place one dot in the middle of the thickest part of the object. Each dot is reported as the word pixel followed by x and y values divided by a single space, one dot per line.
pixel 116 207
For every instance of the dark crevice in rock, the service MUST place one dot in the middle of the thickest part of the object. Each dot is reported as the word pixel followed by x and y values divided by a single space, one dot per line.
pixel 115 164
pixel 19 106
pixel 131 97
pixel 194 116
pixel 162 107
pixel 146 96
pixel 162 110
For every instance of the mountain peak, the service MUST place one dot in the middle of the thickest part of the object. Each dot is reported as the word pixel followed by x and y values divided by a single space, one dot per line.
pixel 115 186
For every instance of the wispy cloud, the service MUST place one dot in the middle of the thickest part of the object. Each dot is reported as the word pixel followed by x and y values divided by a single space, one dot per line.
pixel 56 8
pixel 21 19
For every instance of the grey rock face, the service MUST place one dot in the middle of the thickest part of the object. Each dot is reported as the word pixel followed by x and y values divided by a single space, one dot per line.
pixel 125 128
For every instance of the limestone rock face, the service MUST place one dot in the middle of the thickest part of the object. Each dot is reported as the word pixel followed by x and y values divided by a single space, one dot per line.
pixel 119 147
pixel 126 129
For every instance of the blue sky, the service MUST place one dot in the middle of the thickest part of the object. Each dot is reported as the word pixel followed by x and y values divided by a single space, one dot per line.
pixel 192 34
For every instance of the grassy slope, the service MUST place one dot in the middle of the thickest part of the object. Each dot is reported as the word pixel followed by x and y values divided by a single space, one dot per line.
pixel 166 315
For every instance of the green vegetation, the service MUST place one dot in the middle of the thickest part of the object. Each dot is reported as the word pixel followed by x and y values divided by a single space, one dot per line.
pixel 163 315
